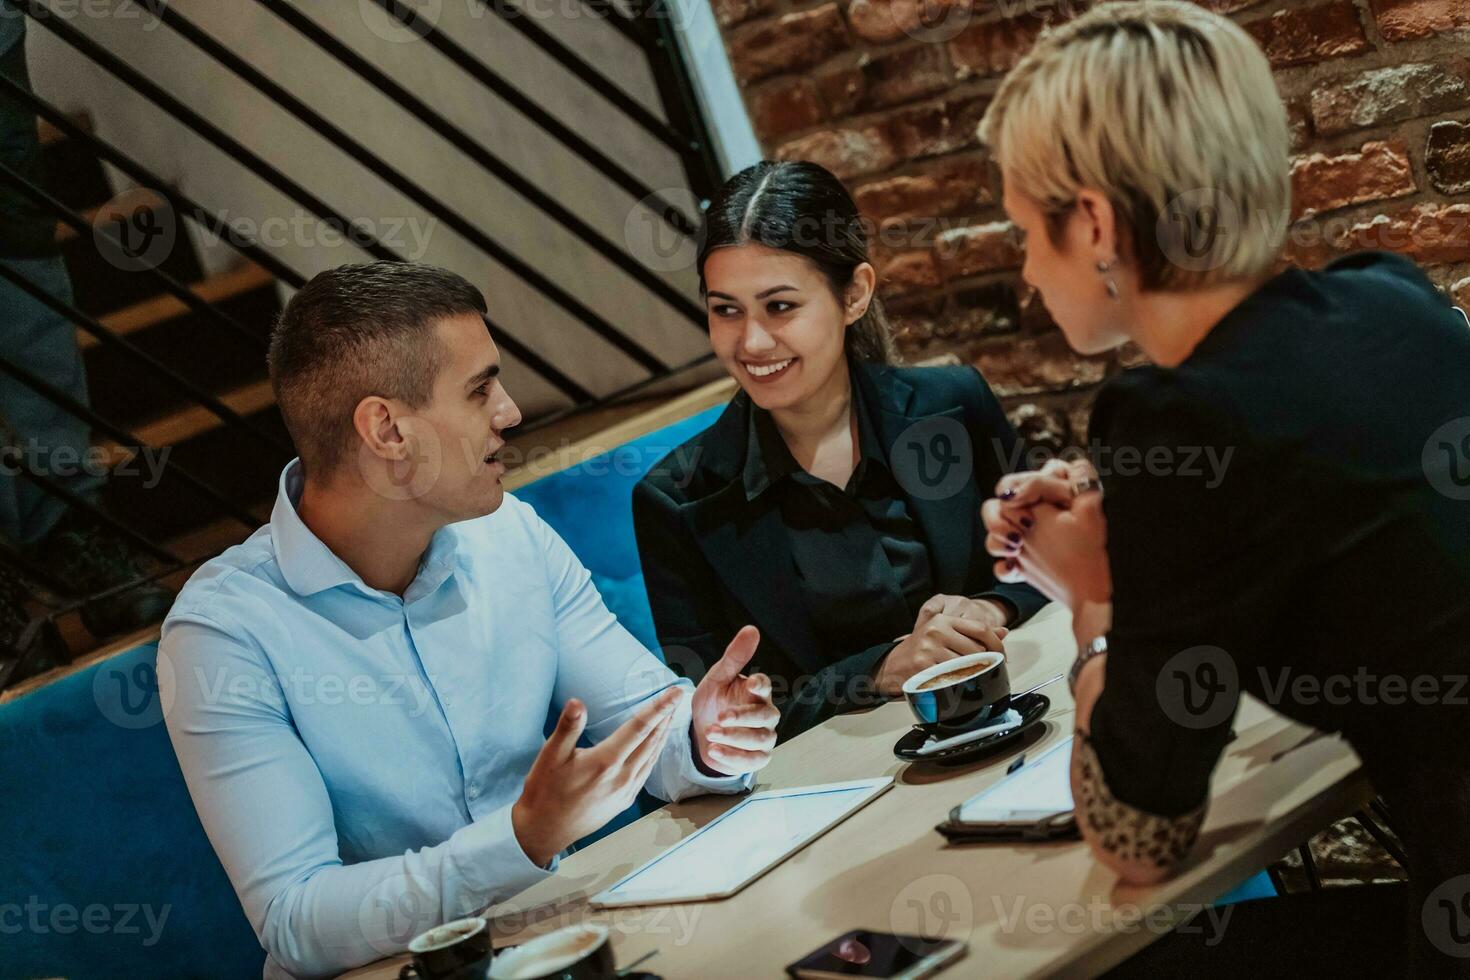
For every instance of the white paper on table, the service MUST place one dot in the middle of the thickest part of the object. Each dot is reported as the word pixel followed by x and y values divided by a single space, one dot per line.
pixel 1009 720
pixel 1043 785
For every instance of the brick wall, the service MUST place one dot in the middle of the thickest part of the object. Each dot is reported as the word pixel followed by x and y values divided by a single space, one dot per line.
pixel 887 94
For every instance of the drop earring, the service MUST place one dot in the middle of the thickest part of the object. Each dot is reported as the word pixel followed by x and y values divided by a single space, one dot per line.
pixel 1109 283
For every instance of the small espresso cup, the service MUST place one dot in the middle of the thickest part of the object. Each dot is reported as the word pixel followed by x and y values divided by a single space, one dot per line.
pixel 458 950
pixel 960 694
pixel 580 952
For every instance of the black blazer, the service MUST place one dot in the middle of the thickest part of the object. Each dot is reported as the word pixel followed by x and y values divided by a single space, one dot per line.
pixel 1322 564
pixel 713 561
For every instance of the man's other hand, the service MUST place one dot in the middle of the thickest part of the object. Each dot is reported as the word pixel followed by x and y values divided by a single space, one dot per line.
pixel 571 792
pixel 734 716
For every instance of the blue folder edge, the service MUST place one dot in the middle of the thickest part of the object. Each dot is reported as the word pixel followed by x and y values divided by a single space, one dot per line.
pixel 1256 886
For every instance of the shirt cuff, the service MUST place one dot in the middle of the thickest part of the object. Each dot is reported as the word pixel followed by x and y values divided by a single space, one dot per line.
pixel 491 862
pixel 693 778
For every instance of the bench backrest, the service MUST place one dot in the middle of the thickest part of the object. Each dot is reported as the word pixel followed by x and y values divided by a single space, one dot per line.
pixel 591 506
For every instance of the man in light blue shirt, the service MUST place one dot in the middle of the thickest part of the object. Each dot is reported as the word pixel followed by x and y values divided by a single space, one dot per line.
pixel 357 693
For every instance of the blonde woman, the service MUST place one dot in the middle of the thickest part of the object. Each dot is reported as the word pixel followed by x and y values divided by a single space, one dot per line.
pixel 1325 568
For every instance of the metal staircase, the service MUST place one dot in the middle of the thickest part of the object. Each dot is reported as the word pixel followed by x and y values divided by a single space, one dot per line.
pixel 180 403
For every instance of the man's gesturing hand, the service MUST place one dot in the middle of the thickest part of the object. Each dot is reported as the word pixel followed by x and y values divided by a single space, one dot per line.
pixel 571 792
pixel 734 717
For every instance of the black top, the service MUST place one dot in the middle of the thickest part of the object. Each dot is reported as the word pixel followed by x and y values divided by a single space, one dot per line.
pixel 1293 520
pixel 731 531
pixel 858 553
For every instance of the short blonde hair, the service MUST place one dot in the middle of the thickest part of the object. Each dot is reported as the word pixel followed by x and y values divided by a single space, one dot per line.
pixel 1169 110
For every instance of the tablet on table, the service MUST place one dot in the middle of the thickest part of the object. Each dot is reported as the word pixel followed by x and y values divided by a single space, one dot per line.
pixel 741 844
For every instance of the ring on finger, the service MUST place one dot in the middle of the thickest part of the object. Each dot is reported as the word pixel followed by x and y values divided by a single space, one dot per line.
pixel 1086 486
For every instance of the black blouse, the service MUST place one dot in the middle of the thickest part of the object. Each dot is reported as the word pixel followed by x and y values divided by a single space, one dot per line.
pixel 858 553
pixel 731 531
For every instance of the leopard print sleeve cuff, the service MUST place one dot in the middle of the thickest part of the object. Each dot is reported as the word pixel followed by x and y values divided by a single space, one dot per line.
pixel 1128 834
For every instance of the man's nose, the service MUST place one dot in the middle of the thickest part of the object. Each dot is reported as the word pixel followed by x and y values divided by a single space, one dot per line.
pixel 507 414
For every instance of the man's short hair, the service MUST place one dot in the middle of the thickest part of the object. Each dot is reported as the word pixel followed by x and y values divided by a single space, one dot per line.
pixel 356 331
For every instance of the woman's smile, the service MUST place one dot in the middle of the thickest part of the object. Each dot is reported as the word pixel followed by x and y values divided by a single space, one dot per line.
pixel 768 371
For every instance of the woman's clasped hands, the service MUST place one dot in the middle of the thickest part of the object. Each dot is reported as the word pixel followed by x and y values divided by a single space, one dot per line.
pixel 1046 527
pixel 948 626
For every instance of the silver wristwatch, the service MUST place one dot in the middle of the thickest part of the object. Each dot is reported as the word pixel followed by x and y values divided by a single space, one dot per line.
pixel 1095 647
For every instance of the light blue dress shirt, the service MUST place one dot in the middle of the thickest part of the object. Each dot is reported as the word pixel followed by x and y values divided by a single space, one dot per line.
pixel 354 755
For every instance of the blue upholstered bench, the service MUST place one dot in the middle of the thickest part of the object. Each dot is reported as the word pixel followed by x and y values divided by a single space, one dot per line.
pixel 591 507
pixel 104 868
pixel 96 822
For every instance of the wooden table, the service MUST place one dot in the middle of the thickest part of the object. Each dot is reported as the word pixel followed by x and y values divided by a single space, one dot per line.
pixel 1025 910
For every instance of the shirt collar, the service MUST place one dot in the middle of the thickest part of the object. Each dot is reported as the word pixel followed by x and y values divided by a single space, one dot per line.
pixel 309 566
pixel 870 445
pixel 768 461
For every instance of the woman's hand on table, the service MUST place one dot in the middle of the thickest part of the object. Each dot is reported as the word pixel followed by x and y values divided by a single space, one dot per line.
pixel 986 612
pixel 940 635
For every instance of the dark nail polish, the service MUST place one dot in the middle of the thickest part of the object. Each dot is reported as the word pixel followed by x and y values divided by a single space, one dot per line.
pixel 1008 494
pixel 1027 522
pixel 1013 537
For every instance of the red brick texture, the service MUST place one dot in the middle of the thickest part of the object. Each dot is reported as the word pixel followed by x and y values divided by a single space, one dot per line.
pixel 1385 96
pixel 788 43
pixel 1301 37
pixel 1431 234
pixel 1325 183
pixel 887 94
pixel 993 48
pixel 1406 20
pixel 947 186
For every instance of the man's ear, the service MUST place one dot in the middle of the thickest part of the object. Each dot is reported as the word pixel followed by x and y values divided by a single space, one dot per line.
pixel 377 426
pixel 859 293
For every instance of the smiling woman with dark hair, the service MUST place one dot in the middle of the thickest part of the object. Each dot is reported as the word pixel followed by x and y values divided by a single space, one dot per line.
pixel 834 502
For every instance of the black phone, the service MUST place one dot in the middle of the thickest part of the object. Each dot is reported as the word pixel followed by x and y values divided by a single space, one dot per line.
pixel 883 955
pixel 1014 826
